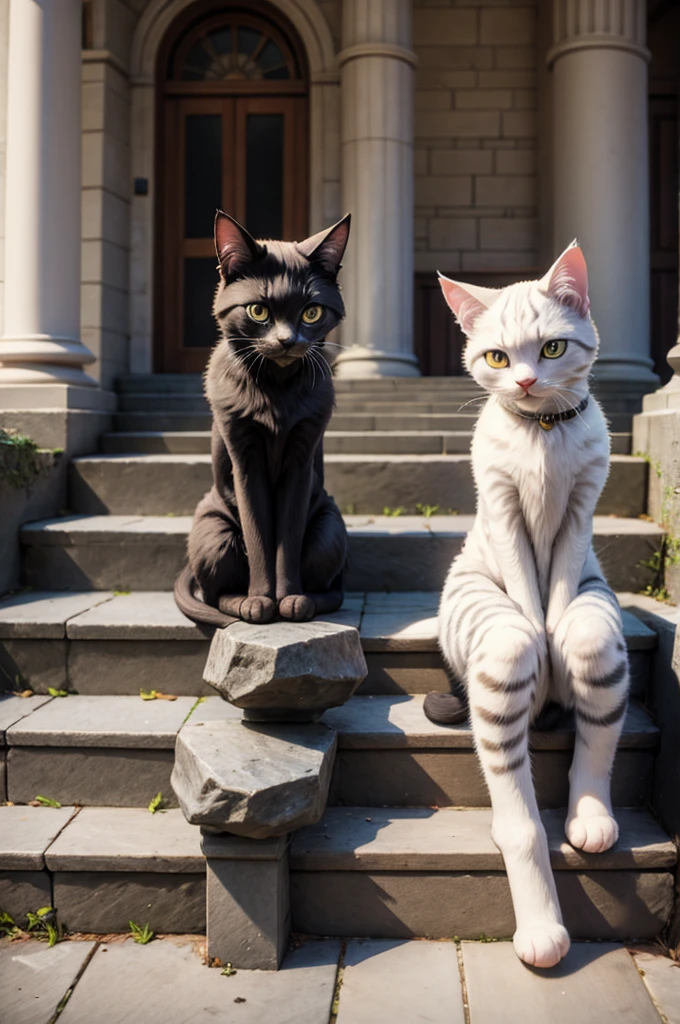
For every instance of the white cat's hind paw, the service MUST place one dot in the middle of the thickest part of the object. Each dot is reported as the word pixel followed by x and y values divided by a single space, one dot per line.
pixel 592 834
pixel 541 945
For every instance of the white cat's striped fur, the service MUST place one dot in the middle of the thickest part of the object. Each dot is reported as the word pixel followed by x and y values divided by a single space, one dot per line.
pixel 526 615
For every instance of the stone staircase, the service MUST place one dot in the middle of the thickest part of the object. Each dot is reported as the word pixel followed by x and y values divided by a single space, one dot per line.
pixel 404 847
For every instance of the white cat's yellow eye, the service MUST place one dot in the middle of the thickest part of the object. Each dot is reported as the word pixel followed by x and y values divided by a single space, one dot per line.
pixel 312 314
pixel 257 312
pixel 497 360
pixel 554 349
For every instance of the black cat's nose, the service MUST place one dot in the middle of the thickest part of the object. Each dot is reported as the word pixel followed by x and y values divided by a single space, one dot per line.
pixel 287 342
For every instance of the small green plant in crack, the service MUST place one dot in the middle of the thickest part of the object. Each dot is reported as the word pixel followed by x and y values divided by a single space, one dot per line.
pixel 43 924
pixel 140 935
pixel 20 461
pixel 56 693
pixel 156 804
pixel 398 511
pixel 9 929
pixel 228 971
pixel 46 801
pixel 426 510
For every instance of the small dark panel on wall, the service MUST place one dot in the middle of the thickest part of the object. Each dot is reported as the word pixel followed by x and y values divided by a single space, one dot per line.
pixel 141 186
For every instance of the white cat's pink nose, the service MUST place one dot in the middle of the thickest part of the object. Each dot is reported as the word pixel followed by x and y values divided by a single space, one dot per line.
pixel 527 382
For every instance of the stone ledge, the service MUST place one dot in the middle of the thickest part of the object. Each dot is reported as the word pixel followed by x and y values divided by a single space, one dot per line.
pixel 27 832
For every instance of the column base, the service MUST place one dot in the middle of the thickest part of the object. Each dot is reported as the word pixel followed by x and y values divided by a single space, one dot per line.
pixel 357 362
pixel 621 390
pixel 58 415
pixel 44 359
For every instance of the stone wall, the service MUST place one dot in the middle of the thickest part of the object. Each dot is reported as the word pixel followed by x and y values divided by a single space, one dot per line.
pixel 476 190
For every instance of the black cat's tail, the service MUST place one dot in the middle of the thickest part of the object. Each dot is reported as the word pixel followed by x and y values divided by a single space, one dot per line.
pixel 198 611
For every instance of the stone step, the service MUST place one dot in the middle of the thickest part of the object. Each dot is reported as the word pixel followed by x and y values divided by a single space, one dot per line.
pixel 119 751
pixel 336 442
pixel 97 643
pixel 172 383
pixel 361 484
pixel 362 871
pixel 430 872
pixel 188 402
pixel 135 552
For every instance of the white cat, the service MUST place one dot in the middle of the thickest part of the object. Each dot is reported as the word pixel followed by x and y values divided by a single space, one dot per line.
pixel 526 615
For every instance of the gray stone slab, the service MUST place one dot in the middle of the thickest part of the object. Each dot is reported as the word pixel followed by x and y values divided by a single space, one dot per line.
pixel 248 911
pixel 79 721
pixel 386 981
pixel 21 891
pixel 300 993
pixel 35 978
pixel 34 665
pixel 403 629
pixel 296 669
pixel 123 667
pixel 398 672
pixel 88 776
pixel 594 984
pixel 452 777
pixel 639 636
pixel 26 832
pixel 103 902
pixel 256 781
pixel 452 839
pixel 396 601
pixel 13 709
pixel 43 615
pixel 138 615
pixel 661 976
pixel 372 722
pixel 213 709
pixel 597 905
pixel 127 839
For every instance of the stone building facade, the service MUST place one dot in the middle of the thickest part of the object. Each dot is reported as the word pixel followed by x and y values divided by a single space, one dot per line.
pixel 475 137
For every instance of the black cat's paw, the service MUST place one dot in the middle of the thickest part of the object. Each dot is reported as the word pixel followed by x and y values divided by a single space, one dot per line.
pixel 297 608
pixel 257 609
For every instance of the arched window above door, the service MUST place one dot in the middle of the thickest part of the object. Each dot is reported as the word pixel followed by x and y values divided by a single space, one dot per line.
pixel 234 47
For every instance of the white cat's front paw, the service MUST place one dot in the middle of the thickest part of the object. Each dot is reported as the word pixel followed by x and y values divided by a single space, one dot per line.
pixel 593 833
pixel 542 945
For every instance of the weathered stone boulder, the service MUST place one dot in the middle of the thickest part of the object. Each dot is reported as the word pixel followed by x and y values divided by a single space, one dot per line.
pixel 253 780
pixel 286 671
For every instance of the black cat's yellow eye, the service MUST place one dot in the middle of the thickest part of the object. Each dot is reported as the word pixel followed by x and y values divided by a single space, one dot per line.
pixel 312 314
pixel 554 349
pixel 497 360
pixel 257 312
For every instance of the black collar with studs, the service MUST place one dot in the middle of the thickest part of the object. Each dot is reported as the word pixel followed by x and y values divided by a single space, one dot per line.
pixel 547 420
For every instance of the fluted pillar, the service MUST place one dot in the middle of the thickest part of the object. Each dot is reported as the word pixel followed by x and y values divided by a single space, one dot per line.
pixel 377 187
pixel 600 184
pixel 41 341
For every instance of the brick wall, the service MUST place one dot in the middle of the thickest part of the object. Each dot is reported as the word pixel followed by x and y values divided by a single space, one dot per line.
pixel 475 135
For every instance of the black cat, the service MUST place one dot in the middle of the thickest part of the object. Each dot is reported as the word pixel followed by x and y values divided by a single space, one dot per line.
pixel 267 538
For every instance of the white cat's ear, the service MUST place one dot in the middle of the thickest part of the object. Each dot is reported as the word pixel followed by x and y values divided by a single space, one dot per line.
pixel 567 280
pixel 467 302
pixel 234 246
pixel 327 247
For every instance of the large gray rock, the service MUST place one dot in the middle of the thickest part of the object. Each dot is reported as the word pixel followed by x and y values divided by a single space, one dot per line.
pixel 286 671
pixel 253 780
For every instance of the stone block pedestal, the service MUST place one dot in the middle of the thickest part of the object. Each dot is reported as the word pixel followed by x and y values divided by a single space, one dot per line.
pixel 248 900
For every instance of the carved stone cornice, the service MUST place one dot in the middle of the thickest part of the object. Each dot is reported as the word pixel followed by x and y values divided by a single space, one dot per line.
pixel 376 49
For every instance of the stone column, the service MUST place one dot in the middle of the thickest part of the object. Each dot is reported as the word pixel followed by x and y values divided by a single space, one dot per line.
pixel 41 343
pixel 600 179
pixel 377 188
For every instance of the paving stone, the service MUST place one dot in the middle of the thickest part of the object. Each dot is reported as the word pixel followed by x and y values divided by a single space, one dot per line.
pixel 253 780
pixel 21 891
pixel 35 978
pixel 129 982
pixel 26 832
pixel 139 615
pixel 661 976
pixel 594 983
pixel 90 775
pixel 13 709
pixel 43 615
pixel 79 721
pixel 103 902
pixel 597 905
pixel 286 670
pixel 126 839
pixel 386 981
pixel 451 839
pixel 248 896
pixel 123 667
pixel 398 630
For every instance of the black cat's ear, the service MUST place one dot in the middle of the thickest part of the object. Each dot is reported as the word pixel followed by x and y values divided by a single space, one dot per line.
pixel 234 246
pixel 328 246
